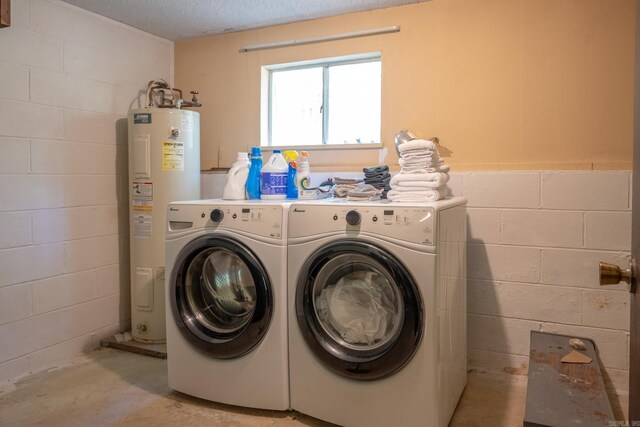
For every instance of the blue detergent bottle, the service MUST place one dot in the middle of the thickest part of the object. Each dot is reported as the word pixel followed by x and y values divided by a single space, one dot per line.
pixel 292 187
pixel 253 179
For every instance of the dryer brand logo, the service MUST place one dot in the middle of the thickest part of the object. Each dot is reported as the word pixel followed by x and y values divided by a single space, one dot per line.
pixel 298 210
pixel 172 209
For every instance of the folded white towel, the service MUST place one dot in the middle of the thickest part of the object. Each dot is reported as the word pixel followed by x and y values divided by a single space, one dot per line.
pixel 422 167
pixel 421 186
pixel 416 196
pixel 437 178
pixel 417 143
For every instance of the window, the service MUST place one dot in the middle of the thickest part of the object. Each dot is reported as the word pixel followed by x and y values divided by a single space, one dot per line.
pixel 333 102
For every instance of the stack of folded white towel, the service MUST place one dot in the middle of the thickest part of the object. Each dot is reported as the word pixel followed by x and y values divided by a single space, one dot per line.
pixel 423 176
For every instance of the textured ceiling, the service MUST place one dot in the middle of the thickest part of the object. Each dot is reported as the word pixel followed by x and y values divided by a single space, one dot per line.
pixel 183 19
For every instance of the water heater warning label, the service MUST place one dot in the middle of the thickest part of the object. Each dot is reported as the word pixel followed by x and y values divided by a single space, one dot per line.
pixel 173 156
pixel 142 225
pixel 142 190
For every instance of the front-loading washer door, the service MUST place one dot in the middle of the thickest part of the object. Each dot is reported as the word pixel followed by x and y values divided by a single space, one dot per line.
pixel 221 296
pixel 359 310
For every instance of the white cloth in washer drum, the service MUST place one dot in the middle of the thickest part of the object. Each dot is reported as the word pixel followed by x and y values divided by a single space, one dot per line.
pixel 359 308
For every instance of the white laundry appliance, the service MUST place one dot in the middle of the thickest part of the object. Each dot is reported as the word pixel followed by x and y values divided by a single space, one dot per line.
pixel 226 301
pixel 377 311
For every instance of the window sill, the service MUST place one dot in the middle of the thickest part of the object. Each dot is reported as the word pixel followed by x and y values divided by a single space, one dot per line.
pixel 270 148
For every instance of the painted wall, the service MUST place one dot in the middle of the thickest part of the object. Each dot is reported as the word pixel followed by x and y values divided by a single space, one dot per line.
pixel 505 84
pixel 67 79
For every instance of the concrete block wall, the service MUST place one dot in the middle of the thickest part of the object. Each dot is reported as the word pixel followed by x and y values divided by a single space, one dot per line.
pixel 67 80
pixel 534 243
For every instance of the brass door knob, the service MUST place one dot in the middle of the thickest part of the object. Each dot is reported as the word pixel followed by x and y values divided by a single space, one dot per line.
pixel 611 274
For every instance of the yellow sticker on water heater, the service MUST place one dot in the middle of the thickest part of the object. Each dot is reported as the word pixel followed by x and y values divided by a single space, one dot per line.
pixel 173 156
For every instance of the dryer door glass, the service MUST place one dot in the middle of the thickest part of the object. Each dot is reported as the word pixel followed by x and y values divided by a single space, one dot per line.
pixel 359 309
pixel 220 290
pixel 358 303
pixel 221 297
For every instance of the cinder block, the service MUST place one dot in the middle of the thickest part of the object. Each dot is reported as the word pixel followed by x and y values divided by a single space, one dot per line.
pixel 15 81
pixel 14 155
pixel 86 126
pixel 499 334
pixel 34 333
pixel 608 230
pixel 585 190
pixel 23 192
pixel 606 309
pixel 60 353
pixel 63 291
pixel 132 44
pixel 15 302
pixel 502 189
pixel 62 90
pixel 15 229
pixel 94 315
pixel 108 67
pixel 114 99
pixel 109 280
pixel 90 253
pixel 89 190
pixel 105 220
pixel 524 301
pixel 43 121
pixel 612 345
pixel 542 228
pixel 27 263
pixel 500 362
pixel 59 225
pixel 483 225
pixel 29 48
pixel 109 159
pixel 58 157
pixel 579 268
pixel 618 380
pixel 503 263
pixel 61 21
pixel 13 369
pixel 454 186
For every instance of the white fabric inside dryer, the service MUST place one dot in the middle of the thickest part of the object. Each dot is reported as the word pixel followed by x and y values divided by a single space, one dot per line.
pixel 361 307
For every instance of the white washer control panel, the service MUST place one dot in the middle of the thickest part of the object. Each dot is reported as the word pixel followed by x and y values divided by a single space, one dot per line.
pixel 411 224
pixel 258 220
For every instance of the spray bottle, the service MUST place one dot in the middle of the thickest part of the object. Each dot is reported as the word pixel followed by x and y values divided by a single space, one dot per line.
pixel 304 177
pixel 292 185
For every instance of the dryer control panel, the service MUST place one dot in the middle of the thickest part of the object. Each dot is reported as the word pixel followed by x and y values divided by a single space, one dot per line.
pixel 410 224
pixel 266 221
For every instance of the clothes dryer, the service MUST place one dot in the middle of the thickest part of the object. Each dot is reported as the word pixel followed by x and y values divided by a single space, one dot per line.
pixel 377 301
pixel 226 302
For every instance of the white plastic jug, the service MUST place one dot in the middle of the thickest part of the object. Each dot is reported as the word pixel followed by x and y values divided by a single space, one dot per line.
pixel 236 178
pixel 273 177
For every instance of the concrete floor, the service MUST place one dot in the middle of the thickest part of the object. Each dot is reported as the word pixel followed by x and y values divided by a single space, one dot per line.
pixel 108 387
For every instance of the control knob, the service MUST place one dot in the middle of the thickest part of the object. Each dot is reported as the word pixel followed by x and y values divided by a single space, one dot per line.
pixel 216 215
pixel 353 218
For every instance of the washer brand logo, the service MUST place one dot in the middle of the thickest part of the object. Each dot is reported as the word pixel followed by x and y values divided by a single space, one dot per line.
pixel 298 210
pixel 174 209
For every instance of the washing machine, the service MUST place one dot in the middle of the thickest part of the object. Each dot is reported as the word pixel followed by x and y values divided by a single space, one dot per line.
pixel 377 300
pixel 226 302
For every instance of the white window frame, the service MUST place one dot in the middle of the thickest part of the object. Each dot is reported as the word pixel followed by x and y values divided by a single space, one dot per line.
pixel 325 63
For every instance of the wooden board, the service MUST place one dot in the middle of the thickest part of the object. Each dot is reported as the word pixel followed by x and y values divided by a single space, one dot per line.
pixel 155 350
